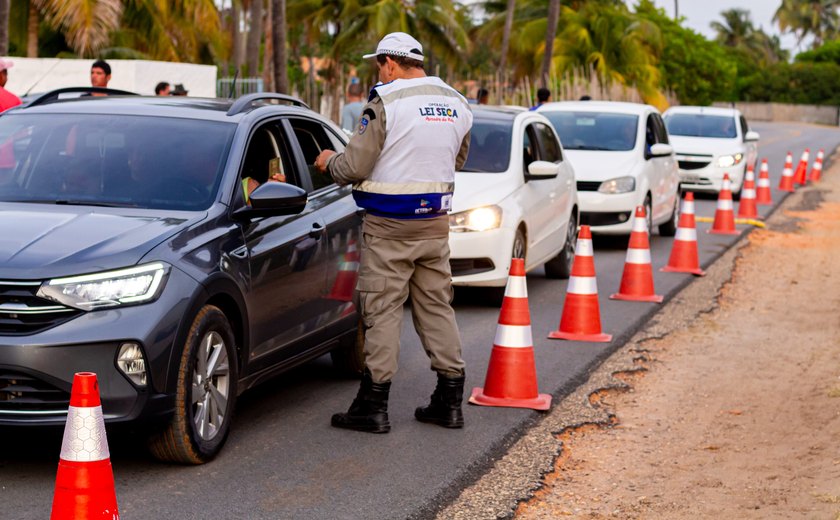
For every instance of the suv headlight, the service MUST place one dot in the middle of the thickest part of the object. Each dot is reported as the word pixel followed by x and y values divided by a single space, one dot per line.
pixel 725 161
pixel 87 292
pixel 478 219
pixel 618 185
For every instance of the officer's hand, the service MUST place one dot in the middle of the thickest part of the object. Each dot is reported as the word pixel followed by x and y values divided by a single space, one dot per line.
pixel 321 160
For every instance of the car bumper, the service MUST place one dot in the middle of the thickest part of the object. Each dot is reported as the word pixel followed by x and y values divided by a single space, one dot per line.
pixel 481 258
pixel 710 178
pixel 36 370
pixel 609 214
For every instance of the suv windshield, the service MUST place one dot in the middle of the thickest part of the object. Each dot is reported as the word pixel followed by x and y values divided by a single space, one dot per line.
pixel 489 146
pixel 112 160
pixel 697 125
pixel 603 131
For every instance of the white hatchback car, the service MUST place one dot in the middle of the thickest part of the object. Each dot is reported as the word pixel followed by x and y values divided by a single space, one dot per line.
pixel 622 159
pixel 514 197
pixel 709 142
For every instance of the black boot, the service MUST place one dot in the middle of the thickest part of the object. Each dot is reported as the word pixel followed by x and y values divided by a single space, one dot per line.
pixel 369 411
pixel 445 405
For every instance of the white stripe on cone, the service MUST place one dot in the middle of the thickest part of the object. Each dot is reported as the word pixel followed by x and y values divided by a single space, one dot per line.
pixel 686 234
pixel 763 182
pixel 748 194
pixel 638 256
pixel 84 435
pixel 724 204
pixel 639 225
pixel 584 247
pixel 516 287
pixel 513 336
pixel 582 285
pixel 348 266
pixel 688 207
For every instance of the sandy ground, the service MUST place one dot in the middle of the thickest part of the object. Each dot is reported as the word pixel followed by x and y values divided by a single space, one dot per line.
pixel 735 415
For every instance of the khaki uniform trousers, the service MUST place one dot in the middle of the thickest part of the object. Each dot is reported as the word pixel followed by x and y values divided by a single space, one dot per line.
pixel 391 270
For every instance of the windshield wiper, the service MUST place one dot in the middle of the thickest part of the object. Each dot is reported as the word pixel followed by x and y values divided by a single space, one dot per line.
pixel 68 202
pixel 590 147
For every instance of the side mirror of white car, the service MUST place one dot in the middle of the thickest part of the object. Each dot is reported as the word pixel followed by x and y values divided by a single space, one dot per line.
pixel 543 169
pixel 661 150
pixel 752 136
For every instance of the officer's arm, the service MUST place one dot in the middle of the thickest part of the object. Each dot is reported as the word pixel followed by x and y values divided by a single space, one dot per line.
pixel 358 159
pixel 463 152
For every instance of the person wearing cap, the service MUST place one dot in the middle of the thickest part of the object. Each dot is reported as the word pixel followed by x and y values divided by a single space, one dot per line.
pixel 413 135
pixel 179 90
pixel 7 99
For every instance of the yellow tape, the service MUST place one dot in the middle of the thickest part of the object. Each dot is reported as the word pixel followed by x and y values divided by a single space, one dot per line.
pixel 750 221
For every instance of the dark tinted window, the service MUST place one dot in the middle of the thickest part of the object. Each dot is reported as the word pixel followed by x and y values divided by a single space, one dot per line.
pixel 146 162
pixel 549 149
pixel 595 130
pixel 699 125
pixel 268 157
pixel 529 153
pixel 490 144
pixel 313 138
pixel 661 132
pixel 744 128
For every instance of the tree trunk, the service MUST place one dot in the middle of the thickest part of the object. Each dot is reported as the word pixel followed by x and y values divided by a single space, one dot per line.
pixel 32 24
pixel 268 55
pixel 676 9
pixel 511 6
pixel 254 38
pixel 236 34
pixel 550 33
pixel 4 27
pixel 279 37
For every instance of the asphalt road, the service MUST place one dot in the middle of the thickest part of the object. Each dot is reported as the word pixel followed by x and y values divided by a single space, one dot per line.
pixel 283 460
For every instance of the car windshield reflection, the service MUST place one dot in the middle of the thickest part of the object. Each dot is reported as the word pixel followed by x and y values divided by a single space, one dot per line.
pixel 112 161
pixel 698 125
pixel 601 131
pixel 490 143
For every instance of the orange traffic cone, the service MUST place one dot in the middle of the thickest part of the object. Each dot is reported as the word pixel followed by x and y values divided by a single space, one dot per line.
pixel 800 176
pixel 816 170
pixel 724 223
pixel 84 486
pixel 684 255
pixel 512 374
pixel 637 279
pixel 786 182
pixel 763 195
pixel 747 208
pixel 581 318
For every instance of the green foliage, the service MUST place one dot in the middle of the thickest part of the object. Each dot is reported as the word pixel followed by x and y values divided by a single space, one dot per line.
pixel 808 83
pixel 829 52
pixel 697 70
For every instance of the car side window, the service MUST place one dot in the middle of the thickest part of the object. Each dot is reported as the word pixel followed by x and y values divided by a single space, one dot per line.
pixel 549 149
pixel 661 131
pixel 314 138
pixel 529 152
pixel 267 158
pixel 650 134
pixel 744 128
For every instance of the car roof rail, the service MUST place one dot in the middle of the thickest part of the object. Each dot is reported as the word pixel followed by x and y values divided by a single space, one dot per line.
pixel 244 103
pixel 53 95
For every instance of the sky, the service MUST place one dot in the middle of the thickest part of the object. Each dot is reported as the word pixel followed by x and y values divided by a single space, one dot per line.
pixel 700 13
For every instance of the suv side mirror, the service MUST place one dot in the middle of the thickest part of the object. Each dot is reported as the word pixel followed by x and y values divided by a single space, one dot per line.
pixel 661 150
pixel 751 136
pixel 542 170
pixel 272 199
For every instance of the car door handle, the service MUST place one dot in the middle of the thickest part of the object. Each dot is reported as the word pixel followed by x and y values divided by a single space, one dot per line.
pixel 317 231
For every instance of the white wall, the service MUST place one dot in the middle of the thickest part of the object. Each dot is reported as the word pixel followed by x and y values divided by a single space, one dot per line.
pixel 38 75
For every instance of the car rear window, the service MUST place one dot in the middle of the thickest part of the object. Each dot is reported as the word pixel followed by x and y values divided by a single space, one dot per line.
pixel 604 131
pixel 490 144
pixel 112 160
pixel 701 125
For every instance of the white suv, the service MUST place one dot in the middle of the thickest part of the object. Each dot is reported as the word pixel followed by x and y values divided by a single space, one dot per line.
pixel 622 159
pixel 710 142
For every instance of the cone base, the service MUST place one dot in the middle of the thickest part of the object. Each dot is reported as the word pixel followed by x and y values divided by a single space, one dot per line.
pixel 653 298
pixel 541 402
pixel 571 336
pixel 721 232
pixel 770 203
pixel 789 190
pixel 695 272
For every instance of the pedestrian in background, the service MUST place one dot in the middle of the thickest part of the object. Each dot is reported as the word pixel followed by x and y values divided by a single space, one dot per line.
pixel 162 89
pixel 100 75
pixel 413 135
pixel 543 96
pixel 352 111
pixel 7 99
pixel 483 96
pixel 179 90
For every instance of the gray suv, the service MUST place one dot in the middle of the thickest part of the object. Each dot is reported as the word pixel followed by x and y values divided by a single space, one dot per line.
pixel 148 240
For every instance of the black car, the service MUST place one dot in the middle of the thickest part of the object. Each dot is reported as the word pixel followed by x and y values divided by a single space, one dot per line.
pixel 128 249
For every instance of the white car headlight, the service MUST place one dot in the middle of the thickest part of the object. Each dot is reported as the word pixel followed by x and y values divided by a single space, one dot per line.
pixel 727 161
pixel 619 185
pixel 87 292
pixel 478 219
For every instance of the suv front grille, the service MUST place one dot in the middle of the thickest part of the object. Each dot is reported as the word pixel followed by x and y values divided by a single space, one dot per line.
pixel 588 185
pixel 25 395
pixel 22 312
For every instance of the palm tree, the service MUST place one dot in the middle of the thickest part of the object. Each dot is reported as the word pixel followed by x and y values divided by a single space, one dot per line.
pixel 737 31
pixel 509 10
pixel 550 34
pixel 279 43
pixel 86 24
pixel 252 48
pixel 4 26
pixel 817 18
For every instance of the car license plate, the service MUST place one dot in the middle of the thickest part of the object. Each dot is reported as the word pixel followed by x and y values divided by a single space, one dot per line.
pixel 693 179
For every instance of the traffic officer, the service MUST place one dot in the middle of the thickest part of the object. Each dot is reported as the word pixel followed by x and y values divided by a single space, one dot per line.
pixel 413 135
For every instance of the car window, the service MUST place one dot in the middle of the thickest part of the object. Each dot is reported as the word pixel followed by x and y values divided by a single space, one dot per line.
pixel 744 127
pixel 529 152
pixel 313 138
pixel 490 145
pixel 650 133
pixel 549 149
pixel 701 125
pixel 112 160
pixel 661 132
pixel 602 131
pixel 267 158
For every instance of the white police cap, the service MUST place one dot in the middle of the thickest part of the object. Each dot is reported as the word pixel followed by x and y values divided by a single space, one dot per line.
pixel 398 44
